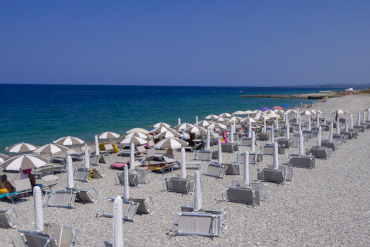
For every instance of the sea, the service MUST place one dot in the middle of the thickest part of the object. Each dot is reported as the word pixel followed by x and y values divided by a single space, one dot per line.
pixel 40 114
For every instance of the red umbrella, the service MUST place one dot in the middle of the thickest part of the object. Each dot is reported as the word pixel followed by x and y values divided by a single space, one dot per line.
pixel 278 107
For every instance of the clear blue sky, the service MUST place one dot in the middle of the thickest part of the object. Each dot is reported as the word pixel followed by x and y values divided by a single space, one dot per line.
pixel 230 43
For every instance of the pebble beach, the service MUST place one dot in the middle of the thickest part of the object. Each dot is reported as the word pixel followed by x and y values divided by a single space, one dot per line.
pixel 325 206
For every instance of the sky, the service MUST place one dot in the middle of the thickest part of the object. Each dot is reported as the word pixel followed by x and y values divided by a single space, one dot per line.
pixel 185 43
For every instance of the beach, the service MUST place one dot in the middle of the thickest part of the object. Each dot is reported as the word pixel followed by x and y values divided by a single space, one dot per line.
pixel 325 206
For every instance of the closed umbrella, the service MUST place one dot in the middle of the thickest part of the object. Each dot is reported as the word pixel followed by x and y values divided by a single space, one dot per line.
pixel 317 120
pixel 70 181
pixel 160 124
pixel 87 158
pixel 319 138
pixel 135 140
pixel 299 124
pixel 246 168
pixel 167 134
pixel 117 222
pixel 21 148
pixel 287 131
pixel 97 151
pixel 324 118
pixel 196 119
pixel 253 147
pixel 208 146
pixel 301 148
pixel 171 144
pixel 346 125
pixel 197 192
pixel 23 162
pixel 351 123
pixel 126 192
pixel 338 127
pixel 179 121
pixel 358 118
pixel 183 163
pixel 275 159
pixel 219 152
pixel 108 135
pixel 272 133
pixel 309 124
pixel 39 221
pixel 69 141
pixel 331 132
pixel 231 133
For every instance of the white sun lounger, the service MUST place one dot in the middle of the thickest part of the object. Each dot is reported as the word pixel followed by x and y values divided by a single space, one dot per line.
pixel 129 209
pixel 241 195
pixel 194 223
pixel 146 205
pixel 62 198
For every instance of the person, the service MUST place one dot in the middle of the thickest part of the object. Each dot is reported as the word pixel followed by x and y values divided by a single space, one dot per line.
pixel 5 185
pixel 336 116
pixel 27 173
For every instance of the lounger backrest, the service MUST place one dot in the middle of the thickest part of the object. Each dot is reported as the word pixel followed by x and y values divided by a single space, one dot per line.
pixel 232 169
pixel 203 155
pixel 34 240
pixel 169 160
pixel 67 236
pixel 277 176
pixel 251 159
pixel 55 232
pixel 108 147
pixel 141 149
pixel 178 185
pixel 243 195
pixel 81 174
pixel 199 224
pixel 86 196
pixel 61 199
pixel 4 219
pixel 268 150
pixel 150 152
pixel 245 142
pixel 23 184
pixel 215 170
pixel 143 176
pixel 150 143
pixel 128 209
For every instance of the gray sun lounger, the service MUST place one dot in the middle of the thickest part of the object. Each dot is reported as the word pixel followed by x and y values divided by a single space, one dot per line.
pixel 271 175
pixel 22 188
pixel 8 218
pixel 146 205
pixel 215 170
pixel 287 142
pixel 245 142
pixel 62 198
pixel 203 155
pixel 241 195
pixel 232 169
pixel 330 144
pixel 221 212
pixel 64 235
pixel 35 239
pixel 132 179
pixel 86 196
pixel 194 223
pixel 47 170
pixel 178 185
pixel 129 209
pixel 320 152
pixel 144 176
pixel 268 149
pixel 81 174
pixel 261 187
pixel 306 161
pixel 50 181
pixel 263 136
pixel 252 159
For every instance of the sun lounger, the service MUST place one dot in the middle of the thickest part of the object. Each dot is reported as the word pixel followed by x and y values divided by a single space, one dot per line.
pixel 349 134
pixel 132 178
pixel 302 161
pixel 268 149
pixel 232 169
pixel 81 174
pixel 141 150
pixel 271 175
pixel 241 195
pixel 46 170
pixel 203 155
pixel 151 154
pixel 245 142
pixel 22 188
pixel 215 170
pixel 320 152
pixel 86 196
pixel 261 187
pixel 263 136
pixel 50 181
pixel 229 147
pixel 193 148
pixel 128 209
pixel 253 158
pixel 144 176
pixel 35 239
pixel 8 218
pixel 287 142
pixel 339 139
pixel 330 144
pixel 289 171
pixel 221 212
pixel 64 235
pixel 194 223
pixel 62 198
pixel 178 185
pixel 146 205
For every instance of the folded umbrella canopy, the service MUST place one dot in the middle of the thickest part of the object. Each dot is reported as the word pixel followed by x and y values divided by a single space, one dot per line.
pixel 160 124
pixel 21 148
pixel 167 134
pixel 69 141
pixel 23 162
pixel 108 135
pixel 171 144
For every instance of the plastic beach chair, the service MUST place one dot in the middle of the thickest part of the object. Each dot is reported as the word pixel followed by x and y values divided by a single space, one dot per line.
pixel 215 170
pixel 63 198
pixel 129 208
pixel 146 205
pixel 178 185
pixel 8 218
pixel 81 174
pixel 64 235
pixel 241 195
pixel 22 188
pixel 196 223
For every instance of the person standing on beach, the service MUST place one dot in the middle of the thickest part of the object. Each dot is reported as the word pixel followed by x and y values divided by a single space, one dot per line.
pixel 27 174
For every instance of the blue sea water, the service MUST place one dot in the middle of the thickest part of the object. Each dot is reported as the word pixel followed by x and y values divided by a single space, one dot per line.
pixel 40 114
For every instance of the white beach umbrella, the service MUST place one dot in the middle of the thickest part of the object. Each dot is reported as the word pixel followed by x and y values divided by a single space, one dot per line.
pixel 108 135
pixel 275 158
pixel 339 111
pixel 183 126
pixel 39 220
pixel 132 156
pixel 195 130
pixel 358 118
pixel 87 158
pixel 97 151
pixel 141 130
pixel 160 124
pixel 236 119
pixel 305 113
pixel 171 144
pixel 247 120
pixel 51 149
pixel 346 125
pixel 331 132
pixel 222 120
pixel 231 133
pixel 204 123
pixel 212 117
pixel 279 111
pixel 216 126
pixel 69 141
pixel 351 123
pixel 273 115
pixel 238 113
pixel 161 129
pixel 225 115
pixel 338 127
pixel 196 119
pixel 253 147
pixel 136 134
pixel 246 168
pixel 197 192
pixel 248 112
pixel 208 145
pixel 290 111
pixel 319 138
pixel 299 124
pixel 126 192
pixel 134 140
pixel 179 121
pixel 167 134
pixel 219 152
pixel 117 222
pixel 317 120
pixel 301 148
pixel 21 148
pixel 3 157
pixel 70 181
pixel 23 162
pixel 183 163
